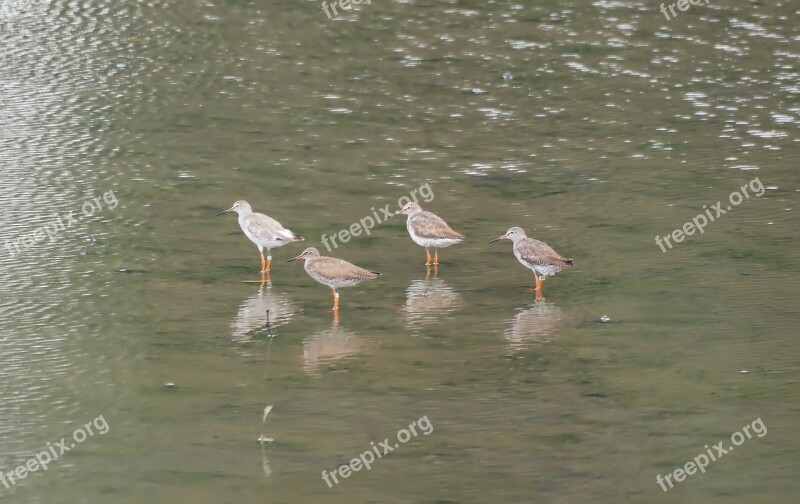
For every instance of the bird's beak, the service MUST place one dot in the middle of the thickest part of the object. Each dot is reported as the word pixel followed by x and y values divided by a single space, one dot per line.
pixel 225 211
pixel 504 237
pixel 397 213
pixel 293 259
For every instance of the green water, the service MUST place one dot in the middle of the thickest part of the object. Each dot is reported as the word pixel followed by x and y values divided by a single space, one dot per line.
pixel 617 126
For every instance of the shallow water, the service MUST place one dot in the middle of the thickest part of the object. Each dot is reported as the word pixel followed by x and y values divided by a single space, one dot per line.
pixel 617 126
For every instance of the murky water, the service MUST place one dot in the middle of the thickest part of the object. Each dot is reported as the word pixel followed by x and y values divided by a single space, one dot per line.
pixel 615 127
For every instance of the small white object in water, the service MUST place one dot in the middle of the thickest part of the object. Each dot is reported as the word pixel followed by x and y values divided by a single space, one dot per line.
pixel 170 384
pixel 743 371
pixel 605 319
pixel 262 438
pixel 507 76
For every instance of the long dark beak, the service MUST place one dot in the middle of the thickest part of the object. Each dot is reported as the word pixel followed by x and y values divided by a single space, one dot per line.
pixel 498 239
pixel 293 259
pixel 225 211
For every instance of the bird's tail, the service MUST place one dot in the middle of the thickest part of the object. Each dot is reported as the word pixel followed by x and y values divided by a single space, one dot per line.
pixel 569 262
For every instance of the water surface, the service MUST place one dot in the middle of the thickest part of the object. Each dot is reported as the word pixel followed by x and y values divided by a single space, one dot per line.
pixel 615 127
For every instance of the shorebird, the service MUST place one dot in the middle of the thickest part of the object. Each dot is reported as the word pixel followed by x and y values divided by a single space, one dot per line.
pixel 429 230
pixel 262 230
pixel 537 256
pixel 333 272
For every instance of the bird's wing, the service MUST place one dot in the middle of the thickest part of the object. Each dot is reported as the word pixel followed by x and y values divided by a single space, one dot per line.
pixel 429 225
pixel 264 225
pixel 535 252
pixel 346 270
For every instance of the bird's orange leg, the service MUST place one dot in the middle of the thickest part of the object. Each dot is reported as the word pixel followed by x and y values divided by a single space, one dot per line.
pixel 269 260
pixel 536 280
pixel 428 255
pixel 436 257
pixel 539 282
pixel 263 262
pixel 335 300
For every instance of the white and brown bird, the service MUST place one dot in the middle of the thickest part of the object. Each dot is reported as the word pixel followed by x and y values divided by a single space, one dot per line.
pixel 429 230
pixel 333 272
pixel 535 255
pixel 262 230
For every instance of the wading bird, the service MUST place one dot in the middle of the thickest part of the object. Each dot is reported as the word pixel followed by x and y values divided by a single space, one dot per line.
pixel 262 230
pixel 429 230
pixel 333 272
pixel 535 255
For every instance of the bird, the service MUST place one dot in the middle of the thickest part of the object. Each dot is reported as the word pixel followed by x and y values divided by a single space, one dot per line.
pixel 333 272
pixel 535 255
pixel 262 230
pixel 428 230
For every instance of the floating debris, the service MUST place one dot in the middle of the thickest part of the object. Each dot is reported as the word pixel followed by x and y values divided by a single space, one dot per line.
pixel 263 438
pixel 90 240
pixel 507 76
pixel 605 319
pixel 476 91
pixel 169 384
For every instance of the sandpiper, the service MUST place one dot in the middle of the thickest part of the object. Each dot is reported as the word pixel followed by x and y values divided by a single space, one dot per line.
pixel 429 230
pixel 333 272
pixel 262 230
pixel 537 256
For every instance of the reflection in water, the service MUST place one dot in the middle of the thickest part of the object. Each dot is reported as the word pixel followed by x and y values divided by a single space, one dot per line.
pixel 262 440
pixel 265 462
pixel 328 346
pixel 427 299
pixel 536 324
pixel 252 314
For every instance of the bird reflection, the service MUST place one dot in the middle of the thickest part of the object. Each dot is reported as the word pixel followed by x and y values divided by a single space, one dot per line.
pixel 536 324
pixel 262 311
pixel 427 300
pixel 328 346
